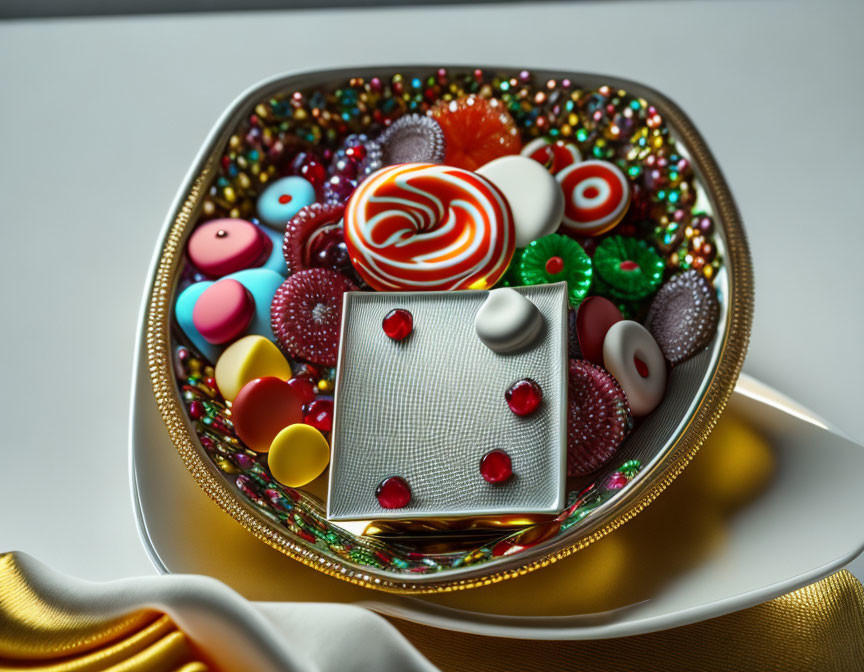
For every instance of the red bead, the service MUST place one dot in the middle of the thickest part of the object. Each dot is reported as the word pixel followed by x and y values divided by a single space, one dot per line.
pixel 393 493
pixel 524 396
pixel 495 467
pixel 319 414
pixel 641 367
pixel 628 265
pixel 304 389
pixel 314 172
pixel 398 324
pixel 196 410
pixel 554 265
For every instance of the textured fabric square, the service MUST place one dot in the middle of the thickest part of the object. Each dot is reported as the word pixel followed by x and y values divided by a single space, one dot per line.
pixel 428 408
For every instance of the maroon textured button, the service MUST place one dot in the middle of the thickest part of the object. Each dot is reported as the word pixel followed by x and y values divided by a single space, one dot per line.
pixel 393 493
pixel 398 324
pixel 496 467
pixel 594 317
pixel 524 396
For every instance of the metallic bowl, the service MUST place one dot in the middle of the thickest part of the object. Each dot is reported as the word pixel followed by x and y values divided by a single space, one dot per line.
pixel 294 522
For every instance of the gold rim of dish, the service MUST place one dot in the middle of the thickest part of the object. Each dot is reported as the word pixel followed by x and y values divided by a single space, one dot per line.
pixel 638 496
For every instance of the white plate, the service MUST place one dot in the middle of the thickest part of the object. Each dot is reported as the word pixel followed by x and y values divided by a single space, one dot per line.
pixel 785 516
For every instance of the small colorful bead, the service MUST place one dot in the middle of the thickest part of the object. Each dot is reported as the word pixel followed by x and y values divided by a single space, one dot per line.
pixel 398 324
pixel 393 493
pixel 283 199
pixel 496 466
pixel 524 397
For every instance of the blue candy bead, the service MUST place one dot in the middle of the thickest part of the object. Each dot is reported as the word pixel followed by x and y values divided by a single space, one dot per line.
pixel 276 260
pixel 295 191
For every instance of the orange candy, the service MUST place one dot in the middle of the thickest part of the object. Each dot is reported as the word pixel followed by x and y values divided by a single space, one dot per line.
pixel 476 130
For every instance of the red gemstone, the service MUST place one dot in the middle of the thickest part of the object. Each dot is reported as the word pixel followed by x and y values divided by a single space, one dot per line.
pixel 393 493
pixel 554 265
pixel 319 414
pixel 628 265
pixel 495 467
pixel 524 396
pixel 398 324
pixel 196 410
pixel 304 389
pixel 314 172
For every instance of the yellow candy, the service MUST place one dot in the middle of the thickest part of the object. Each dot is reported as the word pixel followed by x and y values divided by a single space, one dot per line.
pixel 246 359
pixel 298 455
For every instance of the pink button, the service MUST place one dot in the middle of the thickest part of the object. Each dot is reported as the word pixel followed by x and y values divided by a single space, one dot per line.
pixel 226 246
pixel 223 311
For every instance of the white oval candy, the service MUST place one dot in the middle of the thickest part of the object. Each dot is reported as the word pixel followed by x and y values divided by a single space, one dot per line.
pixel 625 341
pixel 507 321
pixel 535 197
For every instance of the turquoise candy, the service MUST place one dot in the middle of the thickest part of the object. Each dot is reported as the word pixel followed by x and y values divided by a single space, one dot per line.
pixel 262 284
pixel 276 260
pixel 283 199
pixel 183 313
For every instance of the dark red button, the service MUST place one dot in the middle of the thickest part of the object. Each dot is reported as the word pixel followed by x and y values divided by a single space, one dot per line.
pixel 496 467
pixel 398 324
pixel 393 493
pixel 524 396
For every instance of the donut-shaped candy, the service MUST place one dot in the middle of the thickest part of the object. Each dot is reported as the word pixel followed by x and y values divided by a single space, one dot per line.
pixel 631 354
pixel 420 226
pixel 555 156
pixel 596 196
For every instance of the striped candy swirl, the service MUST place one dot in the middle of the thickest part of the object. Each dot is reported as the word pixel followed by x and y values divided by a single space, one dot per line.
pixel 596 196
pixel 420 226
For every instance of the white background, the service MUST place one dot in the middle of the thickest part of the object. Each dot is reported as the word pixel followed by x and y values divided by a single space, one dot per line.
pixel 100 119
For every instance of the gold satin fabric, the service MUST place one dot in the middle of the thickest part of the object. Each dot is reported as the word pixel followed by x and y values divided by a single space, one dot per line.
pixel 819 628
pixel 39 635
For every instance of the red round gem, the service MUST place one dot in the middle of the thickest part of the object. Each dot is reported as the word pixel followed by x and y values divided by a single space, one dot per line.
pixel 398 324
pixel 393 493
pixel 285 198
pixel 319 414
pixel 496 467
pixel 524 396
pixel 628 265
pixel 304 389
pixel 554 265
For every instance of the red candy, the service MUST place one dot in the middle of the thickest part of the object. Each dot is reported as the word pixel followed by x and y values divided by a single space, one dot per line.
pixel 524 396
pixel 223 311
pixel 393 493
pixel 594 316
pixel 476 130
pixel 225 246
pixel 398 324
pixel 306 314
pixel 598 418
pixel 319 415
pixel 262 409
pixel 496 467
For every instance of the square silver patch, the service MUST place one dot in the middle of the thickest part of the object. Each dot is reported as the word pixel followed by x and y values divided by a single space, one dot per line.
pixel 428 408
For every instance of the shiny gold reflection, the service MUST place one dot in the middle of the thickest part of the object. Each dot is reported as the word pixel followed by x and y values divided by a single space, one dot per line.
pixel 686 523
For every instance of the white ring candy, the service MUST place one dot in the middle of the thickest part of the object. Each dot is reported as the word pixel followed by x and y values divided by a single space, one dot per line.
pixel 625 341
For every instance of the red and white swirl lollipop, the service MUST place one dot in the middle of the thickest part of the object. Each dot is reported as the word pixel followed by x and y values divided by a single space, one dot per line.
pixel 420 226
pixel 596 196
